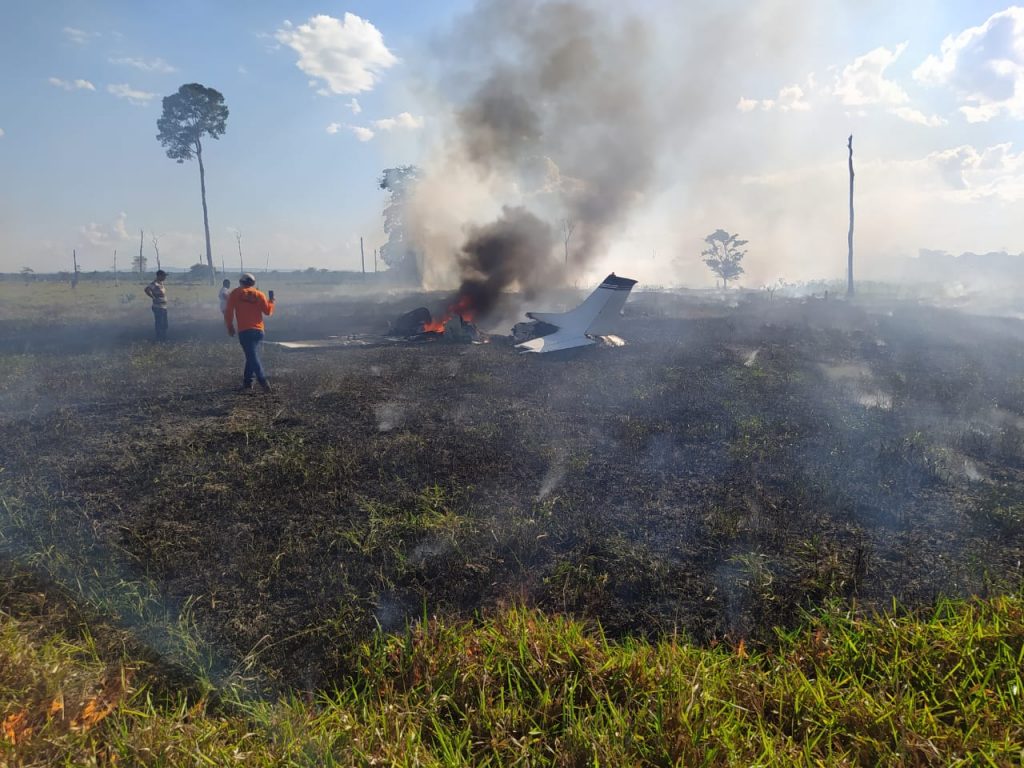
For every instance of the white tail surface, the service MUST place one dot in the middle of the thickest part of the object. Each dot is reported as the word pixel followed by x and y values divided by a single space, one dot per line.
pixel 596 316
pixel 597 313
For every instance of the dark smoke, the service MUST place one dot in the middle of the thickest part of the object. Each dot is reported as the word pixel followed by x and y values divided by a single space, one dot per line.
pixel 553 99
pixel 499 254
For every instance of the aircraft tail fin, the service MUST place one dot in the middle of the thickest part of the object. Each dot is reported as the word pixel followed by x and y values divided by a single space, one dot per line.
pixel 596 312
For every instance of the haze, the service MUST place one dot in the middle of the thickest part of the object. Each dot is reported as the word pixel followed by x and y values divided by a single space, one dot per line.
pixel 753 103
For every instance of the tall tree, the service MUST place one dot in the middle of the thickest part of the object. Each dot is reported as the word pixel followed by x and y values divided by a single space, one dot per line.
pixel 190 114
pixel 723 255
pixel 849 237
pixel 399 252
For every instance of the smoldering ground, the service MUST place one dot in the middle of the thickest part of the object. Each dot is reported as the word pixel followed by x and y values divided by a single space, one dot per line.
pixel 675 484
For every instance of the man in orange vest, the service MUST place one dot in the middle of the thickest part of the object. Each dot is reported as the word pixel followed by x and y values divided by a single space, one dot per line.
pixel 248 306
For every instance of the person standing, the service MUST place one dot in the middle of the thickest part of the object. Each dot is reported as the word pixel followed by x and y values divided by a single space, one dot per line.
pixel 247 306
pixel 225 291
pixel 157 291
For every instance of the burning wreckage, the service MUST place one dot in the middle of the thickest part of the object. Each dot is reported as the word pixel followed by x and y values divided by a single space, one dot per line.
pixel 592 322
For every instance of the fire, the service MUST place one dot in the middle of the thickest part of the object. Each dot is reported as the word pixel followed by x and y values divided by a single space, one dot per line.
pixel 462 306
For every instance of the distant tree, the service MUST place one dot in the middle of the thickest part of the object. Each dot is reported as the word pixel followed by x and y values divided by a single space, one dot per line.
pixel 139 263
pixel 28 273
pixel 156 249
pixel 568 227
pixel 198 271
pixel 723 255
pixel 191 113
pixel 399 252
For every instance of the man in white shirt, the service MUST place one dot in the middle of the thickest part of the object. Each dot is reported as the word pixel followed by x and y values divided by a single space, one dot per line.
pixel 225 291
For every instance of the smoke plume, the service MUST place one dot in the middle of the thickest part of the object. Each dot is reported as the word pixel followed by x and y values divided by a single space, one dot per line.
pixel 553 126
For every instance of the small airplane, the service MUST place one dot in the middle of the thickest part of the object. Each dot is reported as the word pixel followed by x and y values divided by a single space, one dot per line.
pixel 590 323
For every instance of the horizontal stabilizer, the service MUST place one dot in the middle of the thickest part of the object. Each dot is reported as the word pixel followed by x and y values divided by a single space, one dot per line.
pixel 555 342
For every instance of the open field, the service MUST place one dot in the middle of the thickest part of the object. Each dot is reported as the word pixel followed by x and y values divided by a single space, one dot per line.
pixel 728 469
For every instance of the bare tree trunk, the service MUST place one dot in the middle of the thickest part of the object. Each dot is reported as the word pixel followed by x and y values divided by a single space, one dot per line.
pixel 206 217
pixel 74 275
pixel 375 261
pixel 156 249
pixel 849 237
pixel 362 255
pixel 142 261
pixel 238 239
pixel 115 267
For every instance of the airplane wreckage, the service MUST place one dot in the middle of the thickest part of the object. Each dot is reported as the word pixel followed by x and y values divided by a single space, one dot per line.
pixel 591 323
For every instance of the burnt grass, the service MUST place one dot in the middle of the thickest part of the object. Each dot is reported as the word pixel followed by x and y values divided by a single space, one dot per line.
pixel 728 469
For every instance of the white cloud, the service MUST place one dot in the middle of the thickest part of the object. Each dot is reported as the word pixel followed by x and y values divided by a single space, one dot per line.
pixel 354 105
pixel 120 225
pixel 348 55
pixel 106 235
pixel 984 66
pixel 73 85
pixel 402 121
pixel 994 172
pixel 363 134
pixel 242 70
pixel 78 36
pixel 132 95
pixel 790 99
pixel 912 115
pixel 863 81
pixel 2 133
pixel 146 65
pixel 334 127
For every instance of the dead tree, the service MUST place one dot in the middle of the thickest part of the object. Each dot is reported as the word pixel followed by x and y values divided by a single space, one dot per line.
pixel 568 227
pixel 156 249
pixel 362 255
pixel 238 239
pixel 74 275
pixel 849 237
pixel 115 268
pixel 141 261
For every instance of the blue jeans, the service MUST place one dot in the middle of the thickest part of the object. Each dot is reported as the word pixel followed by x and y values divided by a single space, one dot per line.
pixel 251 342
pixel 160 319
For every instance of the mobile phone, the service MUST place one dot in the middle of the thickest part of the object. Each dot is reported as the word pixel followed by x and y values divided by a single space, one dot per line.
pixel 270 295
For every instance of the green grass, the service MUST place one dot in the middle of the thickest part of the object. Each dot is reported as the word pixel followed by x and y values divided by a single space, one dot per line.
pixel 522 688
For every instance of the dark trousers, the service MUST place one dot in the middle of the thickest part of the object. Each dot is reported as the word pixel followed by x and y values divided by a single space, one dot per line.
pixel 251 342
pixel 160 319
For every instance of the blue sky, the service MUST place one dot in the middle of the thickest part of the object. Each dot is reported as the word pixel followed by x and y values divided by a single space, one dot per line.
pixel 938 130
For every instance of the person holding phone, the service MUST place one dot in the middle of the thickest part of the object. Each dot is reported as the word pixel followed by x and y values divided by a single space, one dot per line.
pixel 247 306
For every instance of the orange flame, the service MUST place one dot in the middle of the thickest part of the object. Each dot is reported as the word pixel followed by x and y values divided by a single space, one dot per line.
pixel 462 306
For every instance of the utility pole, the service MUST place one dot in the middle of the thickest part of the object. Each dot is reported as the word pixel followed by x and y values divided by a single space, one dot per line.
pixel 115 267
pixel 142 260
pixel 74 275
pixel 849 237
pixel 223 271
pixel 267 267
pixel 362 256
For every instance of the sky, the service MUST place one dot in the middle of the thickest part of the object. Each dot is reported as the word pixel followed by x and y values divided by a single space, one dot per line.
pixel 325 95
